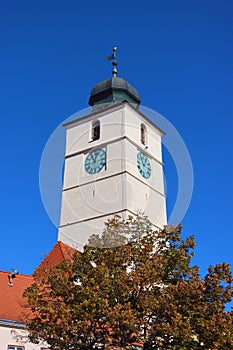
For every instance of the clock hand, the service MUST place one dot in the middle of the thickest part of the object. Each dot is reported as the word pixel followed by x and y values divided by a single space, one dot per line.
pixel 95 157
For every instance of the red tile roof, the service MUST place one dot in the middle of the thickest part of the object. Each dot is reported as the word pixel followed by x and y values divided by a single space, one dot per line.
pixel 11 300
pixel 59 253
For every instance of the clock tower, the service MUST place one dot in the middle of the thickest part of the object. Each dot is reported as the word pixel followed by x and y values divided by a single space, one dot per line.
pixel 113 164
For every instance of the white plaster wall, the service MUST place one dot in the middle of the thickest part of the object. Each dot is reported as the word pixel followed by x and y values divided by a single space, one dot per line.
pixel 117 187
pixel 122 120
pixel 121 156
pixel 75 173
pixel 78 136
pixel 77 235
pixel 106 192
pixel 92 199
pixel 156 178
pixel 10 336
pixel 133 121
pixel 145 199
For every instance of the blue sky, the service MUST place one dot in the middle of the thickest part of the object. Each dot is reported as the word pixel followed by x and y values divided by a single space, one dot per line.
pixel 178 54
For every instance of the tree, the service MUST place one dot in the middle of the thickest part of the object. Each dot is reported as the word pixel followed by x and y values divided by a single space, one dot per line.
pixel 133 283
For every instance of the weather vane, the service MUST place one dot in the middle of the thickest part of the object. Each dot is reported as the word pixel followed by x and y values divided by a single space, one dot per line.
pixel 114 61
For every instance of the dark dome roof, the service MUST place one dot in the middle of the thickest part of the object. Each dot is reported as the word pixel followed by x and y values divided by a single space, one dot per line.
pixel 115 90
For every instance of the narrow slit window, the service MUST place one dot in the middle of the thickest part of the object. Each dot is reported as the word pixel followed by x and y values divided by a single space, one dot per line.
pixel 143 134
pixel 95 130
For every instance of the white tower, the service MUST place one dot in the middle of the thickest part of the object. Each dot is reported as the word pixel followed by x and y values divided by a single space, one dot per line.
pixel 113 164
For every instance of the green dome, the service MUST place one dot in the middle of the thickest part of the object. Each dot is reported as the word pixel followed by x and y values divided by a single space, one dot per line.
pixel 114 90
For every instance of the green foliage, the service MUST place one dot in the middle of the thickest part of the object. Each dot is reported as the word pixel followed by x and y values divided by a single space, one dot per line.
pixel 133 283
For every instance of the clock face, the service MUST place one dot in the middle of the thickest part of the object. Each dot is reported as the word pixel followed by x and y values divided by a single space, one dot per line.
pixel 95 161
pixel 143 163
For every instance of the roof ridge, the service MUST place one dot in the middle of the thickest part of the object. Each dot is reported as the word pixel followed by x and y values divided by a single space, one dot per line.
pixel 61 248
pixel 57 254
pixel 18 275
pixel 12 302
pixel 65 249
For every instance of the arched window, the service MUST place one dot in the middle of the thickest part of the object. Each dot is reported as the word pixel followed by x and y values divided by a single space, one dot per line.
pixel 143 134
pixel 95 130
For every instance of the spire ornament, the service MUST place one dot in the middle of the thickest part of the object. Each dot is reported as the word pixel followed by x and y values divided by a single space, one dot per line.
pixel 114 62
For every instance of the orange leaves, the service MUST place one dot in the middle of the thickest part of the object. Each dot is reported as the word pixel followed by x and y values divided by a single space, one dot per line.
pixel 145 287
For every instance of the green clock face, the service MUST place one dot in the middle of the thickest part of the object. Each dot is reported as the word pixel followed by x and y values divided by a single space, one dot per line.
pixel 95 161
pixel 144 167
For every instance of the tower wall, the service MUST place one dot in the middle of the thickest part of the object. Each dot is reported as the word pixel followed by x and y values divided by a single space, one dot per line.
pixel 88 200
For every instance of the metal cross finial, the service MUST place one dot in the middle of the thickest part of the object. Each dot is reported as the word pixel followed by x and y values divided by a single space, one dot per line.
pixel 114 61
